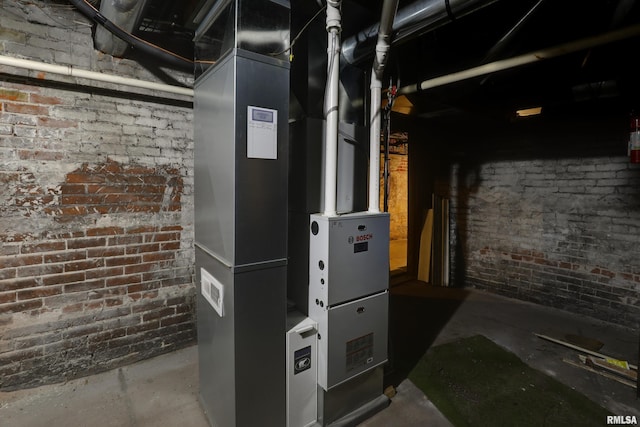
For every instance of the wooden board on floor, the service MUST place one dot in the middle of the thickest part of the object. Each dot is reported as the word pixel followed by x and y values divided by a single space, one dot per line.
pixel 580 349
pixel 610 366
pixel 595 371
pixel 424 260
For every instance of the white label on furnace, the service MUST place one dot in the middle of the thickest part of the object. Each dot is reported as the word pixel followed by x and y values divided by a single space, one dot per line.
pixel 262 133
pixel 213 291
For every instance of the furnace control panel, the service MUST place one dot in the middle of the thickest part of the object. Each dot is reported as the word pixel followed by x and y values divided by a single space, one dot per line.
pixel 262 133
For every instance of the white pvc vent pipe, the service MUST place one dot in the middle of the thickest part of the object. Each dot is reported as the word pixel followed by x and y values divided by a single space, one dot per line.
pixel 331 107
pixel 374 145
pixel 68 70
pixel 383 44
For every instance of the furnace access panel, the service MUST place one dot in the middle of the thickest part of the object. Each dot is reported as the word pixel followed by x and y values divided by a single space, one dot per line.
pixel 348 257
pixel 348 293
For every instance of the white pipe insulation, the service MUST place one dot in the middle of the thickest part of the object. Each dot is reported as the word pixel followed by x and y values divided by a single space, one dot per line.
pixel 68 70
pixel 383 44
pixel 331 107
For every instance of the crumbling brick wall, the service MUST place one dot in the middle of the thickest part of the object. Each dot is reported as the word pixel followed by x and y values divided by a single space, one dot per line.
pixel 96 233
pixel 548 213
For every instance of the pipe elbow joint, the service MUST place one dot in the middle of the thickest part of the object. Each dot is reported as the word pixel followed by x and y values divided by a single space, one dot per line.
pixel 382 51
pixel 334 18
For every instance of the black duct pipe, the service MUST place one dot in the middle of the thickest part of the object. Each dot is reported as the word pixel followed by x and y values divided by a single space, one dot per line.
pixel 410 21
pixel 137 43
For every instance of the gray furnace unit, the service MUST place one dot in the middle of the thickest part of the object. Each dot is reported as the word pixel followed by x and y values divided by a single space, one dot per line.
pixel 241 136
pixel 259 364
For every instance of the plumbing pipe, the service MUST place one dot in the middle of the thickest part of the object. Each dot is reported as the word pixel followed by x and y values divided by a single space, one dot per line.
pixel 389 9
pixel 374 145
pixel 331 107
pixel 527 58
pixel 68 70
pixel 411 21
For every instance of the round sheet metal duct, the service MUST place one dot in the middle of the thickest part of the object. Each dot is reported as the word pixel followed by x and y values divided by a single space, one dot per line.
pixel 411 21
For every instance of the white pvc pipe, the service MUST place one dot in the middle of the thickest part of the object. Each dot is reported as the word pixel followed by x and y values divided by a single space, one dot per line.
pixel 374 144
pixel 389 9
pixel 68 70
pixel 331 108
pixel 526 58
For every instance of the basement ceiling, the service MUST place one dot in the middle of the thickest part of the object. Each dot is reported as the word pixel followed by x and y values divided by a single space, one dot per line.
pixel 600 77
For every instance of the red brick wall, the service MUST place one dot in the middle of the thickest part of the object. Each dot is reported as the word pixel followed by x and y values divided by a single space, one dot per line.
pixel 96 230
pixel 398 193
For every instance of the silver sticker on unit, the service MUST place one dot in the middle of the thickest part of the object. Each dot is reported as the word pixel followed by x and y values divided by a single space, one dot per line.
pixel 213 291
pixel 262 133
pixel 359 352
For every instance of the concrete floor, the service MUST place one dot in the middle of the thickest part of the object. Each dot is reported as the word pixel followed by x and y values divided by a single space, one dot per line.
pixel 163 391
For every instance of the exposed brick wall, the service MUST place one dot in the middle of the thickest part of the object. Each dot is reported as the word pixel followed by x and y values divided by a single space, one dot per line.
pixel 556 223
pixel 398 192
pixel 96 206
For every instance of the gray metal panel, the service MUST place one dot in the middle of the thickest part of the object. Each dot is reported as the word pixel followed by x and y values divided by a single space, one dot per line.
pixel 347 397
pixel 302 372
pixel 241 355
pixel 263 27
pixel 261 184
pixel 349 257
pixel 215 168
pixel 240 202
pixel 260 347
pixel 364 319
pixel 306 167
pixel 356 274
pixel 216 351
pixel 298 266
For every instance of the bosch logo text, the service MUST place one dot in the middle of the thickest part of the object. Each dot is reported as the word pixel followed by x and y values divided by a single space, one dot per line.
pixel 364 237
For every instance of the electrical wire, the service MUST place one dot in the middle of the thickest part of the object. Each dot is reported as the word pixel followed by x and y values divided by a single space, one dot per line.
pixel 304 28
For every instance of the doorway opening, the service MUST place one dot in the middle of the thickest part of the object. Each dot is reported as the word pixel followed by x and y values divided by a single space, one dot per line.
pixel 394 198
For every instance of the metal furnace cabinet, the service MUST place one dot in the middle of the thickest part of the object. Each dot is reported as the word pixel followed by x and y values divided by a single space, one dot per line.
pixel 241 133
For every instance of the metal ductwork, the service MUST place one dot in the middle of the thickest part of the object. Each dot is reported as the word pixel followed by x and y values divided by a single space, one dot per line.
pixel 95 15
pixel 411 21
pixel 124 14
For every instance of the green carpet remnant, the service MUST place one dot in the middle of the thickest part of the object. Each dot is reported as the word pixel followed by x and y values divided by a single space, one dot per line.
pixel 475 382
